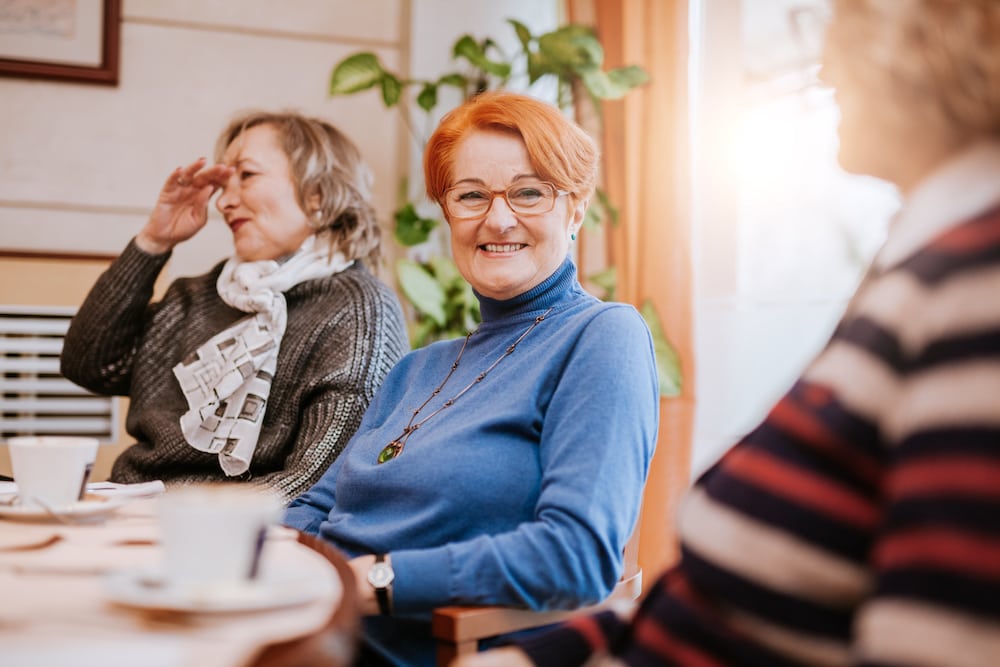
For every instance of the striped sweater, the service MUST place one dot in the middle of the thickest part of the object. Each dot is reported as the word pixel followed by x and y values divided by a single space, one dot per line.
pixel 859 524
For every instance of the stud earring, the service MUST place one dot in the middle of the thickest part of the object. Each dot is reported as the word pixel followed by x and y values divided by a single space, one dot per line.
pixel 572 237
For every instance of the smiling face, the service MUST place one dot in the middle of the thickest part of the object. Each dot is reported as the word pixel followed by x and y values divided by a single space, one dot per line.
pixel 259 201
pixel 503 254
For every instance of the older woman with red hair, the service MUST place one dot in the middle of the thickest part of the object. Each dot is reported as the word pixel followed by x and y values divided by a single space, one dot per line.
pixel 506 467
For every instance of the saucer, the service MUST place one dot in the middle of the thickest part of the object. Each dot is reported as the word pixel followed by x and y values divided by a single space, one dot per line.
pixel 146 589
pixel 82 510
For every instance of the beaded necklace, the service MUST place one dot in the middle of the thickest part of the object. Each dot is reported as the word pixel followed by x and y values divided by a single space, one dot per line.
pixel 395 448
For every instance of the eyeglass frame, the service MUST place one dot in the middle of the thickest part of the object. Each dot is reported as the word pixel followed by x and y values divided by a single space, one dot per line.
pixel 502 193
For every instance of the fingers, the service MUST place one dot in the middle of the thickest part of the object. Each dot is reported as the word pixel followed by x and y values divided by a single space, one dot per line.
pixel 198 176
pixel 185 176
pixel 216 175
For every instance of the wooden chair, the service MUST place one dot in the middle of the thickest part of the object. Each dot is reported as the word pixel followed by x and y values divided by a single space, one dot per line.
pixel 458 629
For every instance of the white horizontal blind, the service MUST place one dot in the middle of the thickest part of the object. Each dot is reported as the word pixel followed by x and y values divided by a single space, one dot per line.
pixel 34 398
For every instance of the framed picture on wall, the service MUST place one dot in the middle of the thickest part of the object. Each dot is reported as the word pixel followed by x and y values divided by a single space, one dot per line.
pixel 68 40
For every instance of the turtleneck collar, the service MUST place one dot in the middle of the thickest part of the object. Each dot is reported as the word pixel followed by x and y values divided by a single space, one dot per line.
pixel 543 295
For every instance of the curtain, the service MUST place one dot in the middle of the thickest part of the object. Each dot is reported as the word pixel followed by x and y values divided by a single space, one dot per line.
pixel 644 139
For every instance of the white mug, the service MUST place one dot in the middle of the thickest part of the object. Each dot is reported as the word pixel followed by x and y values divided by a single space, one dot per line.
pixel 51 471
pixel 214 533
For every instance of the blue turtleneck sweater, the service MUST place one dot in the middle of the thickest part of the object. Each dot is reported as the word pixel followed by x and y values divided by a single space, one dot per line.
pixel 525 491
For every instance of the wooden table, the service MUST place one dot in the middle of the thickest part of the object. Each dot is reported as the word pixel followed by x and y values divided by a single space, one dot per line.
pixel 58 607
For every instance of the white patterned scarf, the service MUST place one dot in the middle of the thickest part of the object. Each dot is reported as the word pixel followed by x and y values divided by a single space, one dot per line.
pixel 228 379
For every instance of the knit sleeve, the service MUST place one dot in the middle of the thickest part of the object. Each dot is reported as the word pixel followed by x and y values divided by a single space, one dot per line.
pixel 936 556
pixel 103 336
pixel 337 370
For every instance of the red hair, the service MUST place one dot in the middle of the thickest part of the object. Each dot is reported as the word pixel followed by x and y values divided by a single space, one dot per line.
pixel 559 150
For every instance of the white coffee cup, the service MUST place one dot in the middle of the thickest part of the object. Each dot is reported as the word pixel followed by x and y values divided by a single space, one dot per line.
pixel 51 471
pixel 214 533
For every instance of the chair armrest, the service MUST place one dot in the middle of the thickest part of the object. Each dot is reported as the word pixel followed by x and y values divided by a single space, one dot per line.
pixel 459 624
pixel 458 629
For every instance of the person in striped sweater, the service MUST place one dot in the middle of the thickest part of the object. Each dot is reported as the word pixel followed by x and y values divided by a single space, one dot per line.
pixel 859 524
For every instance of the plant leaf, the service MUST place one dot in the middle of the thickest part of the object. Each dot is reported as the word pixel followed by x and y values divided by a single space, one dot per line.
pixel 453 79
pixel 608 207
pixel 445 271
pixel 356 73
pixel 488 44
pixel 572 48
pixel 607 280
pixel 668 364
pixel 467 48
pixel 411 229
pixel 598 85
pixel 628 77
pixel 594 215
pixel 422 290
pixel 428 97
pixel 539 66
pixel 603 85
pixel 523 34
pixel 392 89
pixel 425 329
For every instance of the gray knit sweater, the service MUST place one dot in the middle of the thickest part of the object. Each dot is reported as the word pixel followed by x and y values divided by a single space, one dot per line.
pixel 344 333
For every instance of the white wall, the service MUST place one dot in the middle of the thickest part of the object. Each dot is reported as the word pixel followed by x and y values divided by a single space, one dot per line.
pixel 82 164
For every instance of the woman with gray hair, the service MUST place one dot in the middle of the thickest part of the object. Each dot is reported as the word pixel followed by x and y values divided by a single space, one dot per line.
pixel 859 524
pixel 260 369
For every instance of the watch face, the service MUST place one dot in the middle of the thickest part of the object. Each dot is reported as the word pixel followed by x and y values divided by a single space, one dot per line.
pixel 380 575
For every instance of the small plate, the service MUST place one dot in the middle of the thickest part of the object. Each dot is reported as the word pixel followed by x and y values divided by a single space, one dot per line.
pixel 82 510
pixel 146 589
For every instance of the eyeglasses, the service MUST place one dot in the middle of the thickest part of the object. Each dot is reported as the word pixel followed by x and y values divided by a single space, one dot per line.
pixel 465 202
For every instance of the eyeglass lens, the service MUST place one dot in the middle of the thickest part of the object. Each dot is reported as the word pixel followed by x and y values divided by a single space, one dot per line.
pixel 469 201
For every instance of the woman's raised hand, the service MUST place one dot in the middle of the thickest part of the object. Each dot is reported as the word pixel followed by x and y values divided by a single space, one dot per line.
pixel 182 208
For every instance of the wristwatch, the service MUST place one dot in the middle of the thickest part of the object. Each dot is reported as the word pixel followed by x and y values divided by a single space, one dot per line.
pixel 380 576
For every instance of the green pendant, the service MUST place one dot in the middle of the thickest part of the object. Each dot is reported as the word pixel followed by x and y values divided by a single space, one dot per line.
pixel 390 451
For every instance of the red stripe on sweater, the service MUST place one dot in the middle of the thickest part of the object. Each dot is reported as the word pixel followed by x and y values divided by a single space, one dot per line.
pixel 802 487
pixel 941 549
pixel 588 627
pixel 656 639
pixel 803 426
pixel 965 238
pixel 968 476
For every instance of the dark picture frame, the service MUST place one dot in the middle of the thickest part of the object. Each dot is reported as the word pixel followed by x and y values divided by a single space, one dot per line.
pixel 105 73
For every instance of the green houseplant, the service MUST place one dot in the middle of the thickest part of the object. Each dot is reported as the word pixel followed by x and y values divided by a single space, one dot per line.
pixel 572 56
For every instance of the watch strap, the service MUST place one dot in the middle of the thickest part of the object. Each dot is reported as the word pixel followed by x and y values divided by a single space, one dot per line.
pixel 382 592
